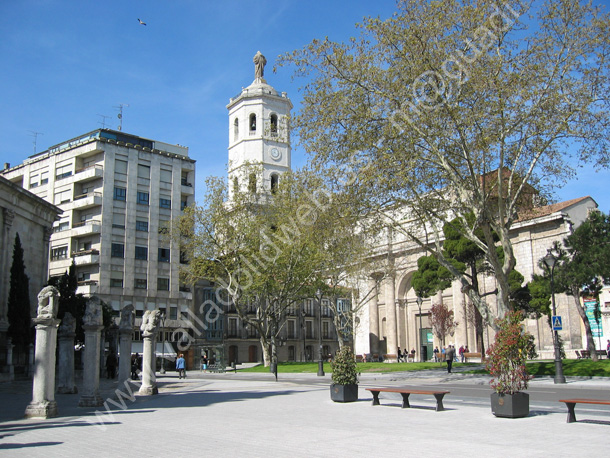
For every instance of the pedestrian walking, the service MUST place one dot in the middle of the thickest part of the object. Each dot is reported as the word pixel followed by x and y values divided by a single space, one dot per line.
pixel 449 355
pixel 181 366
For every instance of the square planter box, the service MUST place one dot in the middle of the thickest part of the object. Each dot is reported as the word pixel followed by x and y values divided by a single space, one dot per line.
pixel 344 393
pixel 510 405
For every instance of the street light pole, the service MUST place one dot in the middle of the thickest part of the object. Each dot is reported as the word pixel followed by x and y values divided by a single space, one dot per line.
pixel 421 343
pixel 550 260
pixel 162 371
pixel 320 362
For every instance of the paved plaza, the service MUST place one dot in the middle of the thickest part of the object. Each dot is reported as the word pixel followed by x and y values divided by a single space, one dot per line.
pixel 252 415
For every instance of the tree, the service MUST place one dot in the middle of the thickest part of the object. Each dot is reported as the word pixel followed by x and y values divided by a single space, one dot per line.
pixel 267 251
pixel 442 320
pixel 584 266
pixel 19 314
pixel 69 301
pixel 451 108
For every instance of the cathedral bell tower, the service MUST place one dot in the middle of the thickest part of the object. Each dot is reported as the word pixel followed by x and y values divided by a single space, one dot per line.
pixel 258 135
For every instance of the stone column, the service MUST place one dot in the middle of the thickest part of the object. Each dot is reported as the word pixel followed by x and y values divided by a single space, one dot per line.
pixel 390 310
pixel 43 403
pixel 9 359
pixel 125 333
pixel 373 316
pixel 92 324
pixel 149 327
pixel 65 364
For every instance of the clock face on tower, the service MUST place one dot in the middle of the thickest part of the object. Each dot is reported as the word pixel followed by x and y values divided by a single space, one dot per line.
pixel 276 155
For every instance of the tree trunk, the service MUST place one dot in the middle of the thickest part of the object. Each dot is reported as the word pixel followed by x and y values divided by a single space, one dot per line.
pixel 266 352
pixel 583 316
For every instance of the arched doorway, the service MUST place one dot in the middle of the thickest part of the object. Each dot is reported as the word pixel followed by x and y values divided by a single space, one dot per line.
pixel 252 354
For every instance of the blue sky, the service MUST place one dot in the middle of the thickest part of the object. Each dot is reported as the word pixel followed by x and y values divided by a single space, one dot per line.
pixel 66 62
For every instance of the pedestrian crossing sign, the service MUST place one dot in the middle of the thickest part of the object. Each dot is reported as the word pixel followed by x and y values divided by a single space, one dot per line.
pixel 557 323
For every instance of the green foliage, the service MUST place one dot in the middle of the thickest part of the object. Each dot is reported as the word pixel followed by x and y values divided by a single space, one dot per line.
pixel 430 276
pixel 19 316
pixel 540 297
pixel 69 301
pixel 508 355
pixel 419 130
pixel 344 368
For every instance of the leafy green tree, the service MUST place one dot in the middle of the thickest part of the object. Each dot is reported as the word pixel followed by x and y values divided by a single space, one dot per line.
pixel 69 301
pixel 584 266
pixel 19 315
pixel 451 108
pixel 268 251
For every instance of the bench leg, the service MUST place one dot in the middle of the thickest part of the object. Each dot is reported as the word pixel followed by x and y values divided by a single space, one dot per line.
pixel 439 401
pixel 375 398
pixel 571 414
pixel 405 400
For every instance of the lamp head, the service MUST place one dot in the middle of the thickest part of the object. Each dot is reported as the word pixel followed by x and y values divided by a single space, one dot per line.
pixel 550 259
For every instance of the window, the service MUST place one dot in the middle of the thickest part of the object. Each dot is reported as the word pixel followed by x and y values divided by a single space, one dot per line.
pixel 183 258
pixel 62 197
pixel 185 179
pixel 183 204
pixel 116 282
pixel 166 176
pixel 143 198
pixel 252 183
pixel 325 330
pixel 173 313
pixel 308 307
pixel 34 181
pixel 163 285
pixel 44 178
pixel 118 220
pixel 165 203
pixel 142 252
pixel 142 226
pixel 118 250
pixel 252 122
pixel 120 166
pixel 143 171
pixel 275 179
pixel 274 125
pixel 63 171
pixel 236 129
pixel 59 253
pixel 140 283
pixel 163 255
pixel 120 193
pixel 62 226
pixel 83 276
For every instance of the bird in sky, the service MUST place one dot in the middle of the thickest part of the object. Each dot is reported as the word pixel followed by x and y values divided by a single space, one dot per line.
pixel 141 22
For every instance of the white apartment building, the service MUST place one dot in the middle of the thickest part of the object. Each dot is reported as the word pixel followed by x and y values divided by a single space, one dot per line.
pixel 118 193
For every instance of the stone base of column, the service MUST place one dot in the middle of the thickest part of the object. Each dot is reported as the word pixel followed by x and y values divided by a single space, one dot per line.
pixel 90 400
pixel 67 390
pixel 148 390
pixel 41 410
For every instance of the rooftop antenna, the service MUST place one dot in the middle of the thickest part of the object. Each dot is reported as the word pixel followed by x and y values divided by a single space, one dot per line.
pixel 103 121
pixel 120 115
pixel 35 135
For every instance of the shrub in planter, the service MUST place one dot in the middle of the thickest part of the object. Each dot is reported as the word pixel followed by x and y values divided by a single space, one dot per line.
pixel 344 387
pixel 512 347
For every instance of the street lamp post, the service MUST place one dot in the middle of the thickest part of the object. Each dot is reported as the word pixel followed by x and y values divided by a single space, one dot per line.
pixel 421 343
pixel 320 361
pixel 162 371
pixel 550 260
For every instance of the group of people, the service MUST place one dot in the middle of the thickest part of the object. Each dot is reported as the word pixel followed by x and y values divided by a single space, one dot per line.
pixel 405 356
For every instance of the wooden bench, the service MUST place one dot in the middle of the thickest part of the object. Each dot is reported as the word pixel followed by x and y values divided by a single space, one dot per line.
pixel 405 392
pixel 411 357
pixel 390 357
pixel 471 355
pixel 571 403
pixel 587 354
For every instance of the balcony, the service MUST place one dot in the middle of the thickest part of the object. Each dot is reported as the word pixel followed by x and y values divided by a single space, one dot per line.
pixel 87 287
pixel 89 173
pixel 83 258
pixel 187 188
pixel 86 228
pixel 83 201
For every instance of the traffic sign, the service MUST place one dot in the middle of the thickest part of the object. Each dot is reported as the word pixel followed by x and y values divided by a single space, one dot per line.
pixel 557 325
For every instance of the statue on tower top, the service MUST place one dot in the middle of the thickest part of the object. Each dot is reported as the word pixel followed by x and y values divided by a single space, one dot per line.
pixel 259 65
